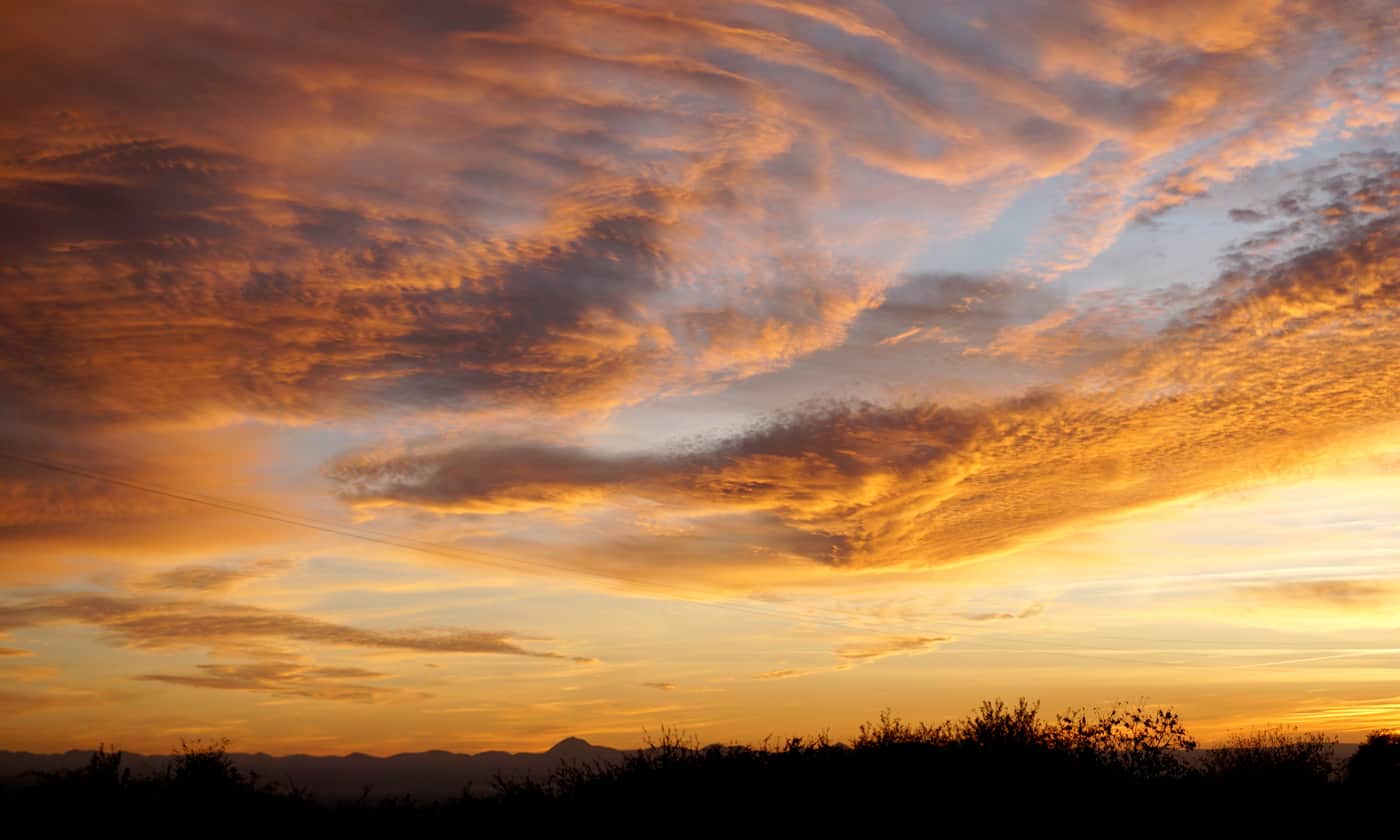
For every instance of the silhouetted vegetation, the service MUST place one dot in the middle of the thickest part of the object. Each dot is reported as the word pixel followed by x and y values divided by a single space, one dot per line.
pixel 1007 761
pixel 1274 757
pixel 1376 763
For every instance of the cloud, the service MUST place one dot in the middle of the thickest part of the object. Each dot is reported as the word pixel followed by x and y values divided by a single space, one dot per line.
pixel 1337 594
pixel 552 264
pixel 571 204
pixel 798 463
pixel 1243 94
pixel 487 479
pixel 781 674
pixel 660 686
pixel 892 646
pixel 1246 216
pixel 1288 353
pixel 9 651
pixel 1029 612
pixel 1095 327
pixel 285 679
pixel 557 210
pixel 502 248
pixel 24 702
pixel 851 655
pixel 59 521
pixel 157 624
pixel 213 578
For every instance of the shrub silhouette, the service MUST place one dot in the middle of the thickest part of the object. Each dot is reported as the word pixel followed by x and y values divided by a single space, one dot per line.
pixel 1376 763
pixel 205 769
pixel 890 731
pixel 1273 757
pixel 102 778
pixel 1003 761
pixel 1129 741
pixel 999 727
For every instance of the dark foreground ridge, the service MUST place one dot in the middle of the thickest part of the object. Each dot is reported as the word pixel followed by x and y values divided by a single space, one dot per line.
pixel 431 775
pixel 1003 764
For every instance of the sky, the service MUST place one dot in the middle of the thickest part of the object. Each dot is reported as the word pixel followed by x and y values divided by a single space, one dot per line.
pixel 429 374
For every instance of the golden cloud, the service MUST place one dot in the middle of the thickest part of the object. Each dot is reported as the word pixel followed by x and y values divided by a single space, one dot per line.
pixel 285 679
pixel 580 203
pixel 157 623
pixel 1283 357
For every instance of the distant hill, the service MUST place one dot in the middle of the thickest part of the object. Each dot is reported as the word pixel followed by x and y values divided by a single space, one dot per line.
pixel 425 775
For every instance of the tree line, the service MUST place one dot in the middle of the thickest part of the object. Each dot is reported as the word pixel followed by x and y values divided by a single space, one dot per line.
pixel 1005 762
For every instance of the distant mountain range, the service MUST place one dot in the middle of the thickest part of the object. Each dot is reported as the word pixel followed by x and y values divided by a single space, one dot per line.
pixel 425 775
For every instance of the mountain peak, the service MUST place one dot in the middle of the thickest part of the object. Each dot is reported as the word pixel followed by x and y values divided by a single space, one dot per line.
pixel 569 745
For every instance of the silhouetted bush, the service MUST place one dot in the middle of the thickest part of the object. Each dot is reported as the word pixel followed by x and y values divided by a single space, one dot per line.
pixel 1376 763
pixel 1132 742
pixel 102 779
pixel 999 727
pixel 1273 757
pixel 204 769
pixel 891 731
pixel 1004 762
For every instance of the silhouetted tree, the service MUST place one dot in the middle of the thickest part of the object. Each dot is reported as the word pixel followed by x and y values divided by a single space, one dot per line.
pixel 204 769
pixel 997 726
pixel 891 730
pixel 1131 742
pixel 102 776
pixel 1376 763
pixel 1275 756
pixel 1003 762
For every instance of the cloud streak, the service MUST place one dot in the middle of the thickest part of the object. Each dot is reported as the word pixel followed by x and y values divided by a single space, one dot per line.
pixel 155 624
pixel 283 679
pixel 213 578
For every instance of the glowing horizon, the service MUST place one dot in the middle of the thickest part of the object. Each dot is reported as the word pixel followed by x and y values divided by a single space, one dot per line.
pixel 745 367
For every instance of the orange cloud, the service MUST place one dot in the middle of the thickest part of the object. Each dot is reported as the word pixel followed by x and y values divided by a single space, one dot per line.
pixel 580 204
pixel 213 578
pixel 488 242
pixel 51 520
pixel 283 679
pixel 1283 358
pixel 153 623
pixel 1338 594
pixel 889 647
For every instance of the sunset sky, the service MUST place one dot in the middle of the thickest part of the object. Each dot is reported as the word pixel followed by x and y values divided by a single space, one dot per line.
pixel 390 375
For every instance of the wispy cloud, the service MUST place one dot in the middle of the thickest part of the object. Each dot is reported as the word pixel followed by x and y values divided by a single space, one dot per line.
pixel 21 702
pixel 284 679
pixel 892 646
pixel 213 578
pixel 1343 594
pixel 156 623
pixel 1029 612
pixel 861 652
